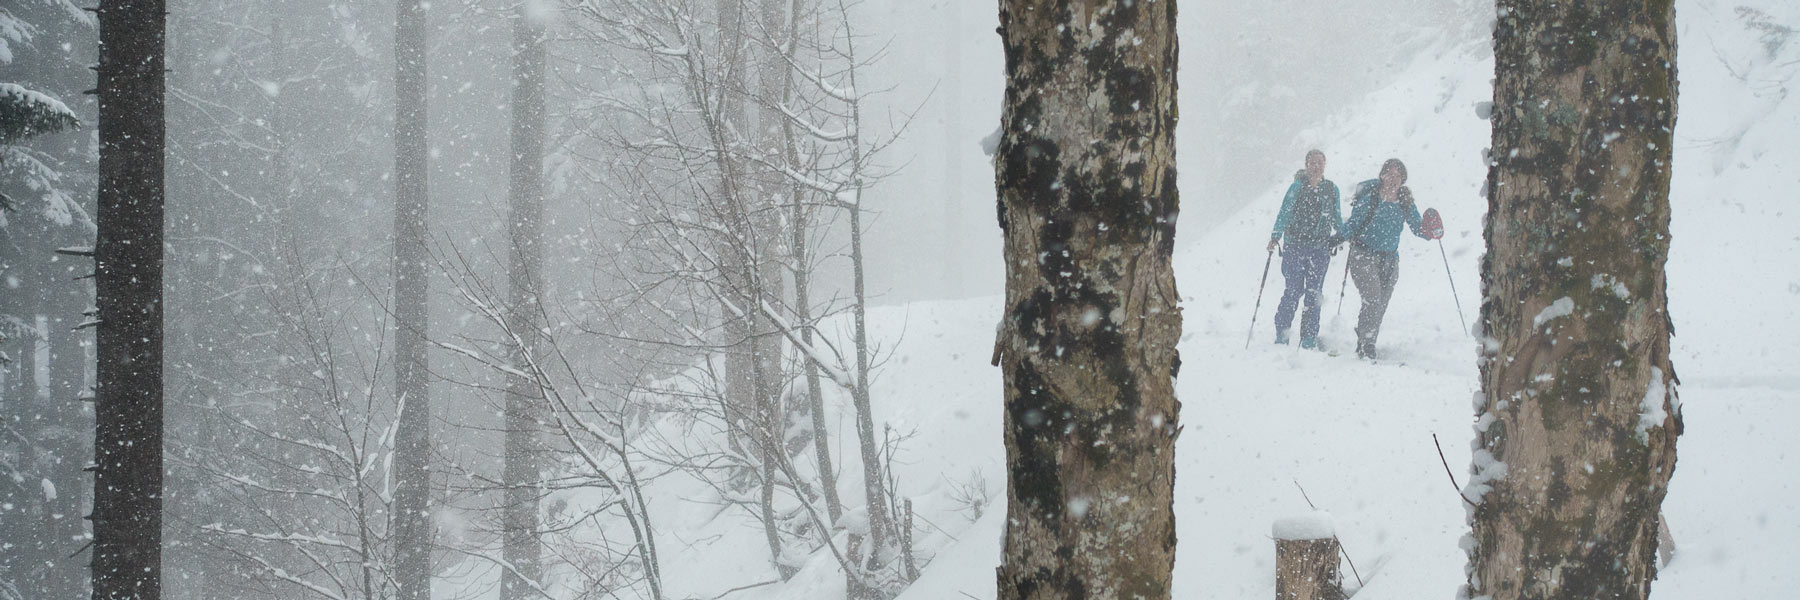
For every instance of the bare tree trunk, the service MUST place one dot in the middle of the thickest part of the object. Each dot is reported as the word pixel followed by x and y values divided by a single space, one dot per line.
pixel 128 443
pixel 1086 177
pixel 802 273
pixel 799 227
pixel 412 448
pixel 524 454
pixel 881 525
pixel 727 119
pixel 874 487
pixel 1579 415
pixel 753 363
pixel 765 223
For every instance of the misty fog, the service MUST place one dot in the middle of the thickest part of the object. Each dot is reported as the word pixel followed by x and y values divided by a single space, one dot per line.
pixel 748 347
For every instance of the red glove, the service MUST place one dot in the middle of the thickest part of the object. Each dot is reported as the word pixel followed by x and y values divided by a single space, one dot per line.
pixel 1433 225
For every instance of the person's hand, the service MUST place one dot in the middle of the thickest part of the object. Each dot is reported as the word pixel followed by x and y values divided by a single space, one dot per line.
pixel 1433 225
pixel 1272 244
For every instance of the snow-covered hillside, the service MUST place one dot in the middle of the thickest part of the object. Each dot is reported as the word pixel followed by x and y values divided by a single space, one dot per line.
pixel 1358 436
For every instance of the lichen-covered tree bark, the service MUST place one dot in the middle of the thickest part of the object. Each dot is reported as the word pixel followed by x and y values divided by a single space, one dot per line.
pixel 1578 415
pixel 128 404
pixel 412 444
pixel 1086 178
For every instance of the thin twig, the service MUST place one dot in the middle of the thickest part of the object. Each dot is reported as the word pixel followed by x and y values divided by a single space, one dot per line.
pixel 746 587
pixel 1303 495
pixel 1453 484
pixel 1340 541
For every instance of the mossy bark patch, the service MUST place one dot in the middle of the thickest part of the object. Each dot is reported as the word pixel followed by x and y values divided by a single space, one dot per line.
pixel 1087 203
pixel 1578 213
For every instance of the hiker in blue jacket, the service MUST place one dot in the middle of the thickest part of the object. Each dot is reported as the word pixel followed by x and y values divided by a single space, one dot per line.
pixel 1378 210
pixel 1309 220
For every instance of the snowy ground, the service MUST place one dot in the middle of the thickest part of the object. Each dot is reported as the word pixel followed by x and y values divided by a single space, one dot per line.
pixel 1356 435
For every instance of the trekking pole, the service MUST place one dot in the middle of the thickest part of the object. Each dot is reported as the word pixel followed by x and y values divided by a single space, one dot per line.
pixel 1343 286
pixel 1459 312
pixel 1259 292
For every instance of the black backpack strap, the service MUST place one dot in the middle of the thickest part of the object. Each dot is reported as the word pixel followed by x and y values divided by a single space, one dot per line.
pixel 1374 203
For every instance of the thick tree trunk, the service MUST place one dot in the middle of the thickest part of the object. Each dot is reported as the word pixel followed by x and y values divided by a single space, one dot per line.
pixel 726 120
pixel 524 455
pixel 1086 176
pixel 412 447
pixel 1579 415
pixel 128 459
pixel 749 275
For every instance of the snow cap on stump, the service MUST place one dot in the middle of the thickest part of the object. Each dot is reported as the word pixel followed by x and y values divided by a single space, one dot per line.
pixel 1311 526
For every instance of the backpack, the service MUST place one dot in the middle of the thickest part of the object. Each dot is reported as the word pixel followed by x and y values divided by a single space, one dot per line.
pixel 1373 193
pixel 1308 212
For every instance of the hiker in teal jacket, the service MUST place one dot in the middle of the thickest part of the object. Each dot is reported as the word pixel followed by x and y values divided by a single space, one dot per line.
pixel 1379 210
pixel 1308 221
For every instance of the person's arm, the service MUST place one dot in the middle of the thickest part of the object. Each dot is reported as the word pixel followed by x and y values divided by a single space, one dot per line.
pixel 1281 218
pixel 1413 220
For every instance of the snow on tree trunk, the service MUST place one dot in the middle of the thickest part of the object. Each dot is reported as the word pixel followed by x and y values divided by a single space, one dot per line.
pixel 1086 177
pixel 524 452
pixel 412 449
pixel 1578 414
pixel 128 444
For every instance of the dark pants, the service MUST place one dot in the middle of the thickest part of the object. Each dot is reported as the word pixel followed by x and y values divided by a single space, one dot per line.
pixel 1375 275
pixel 1304 269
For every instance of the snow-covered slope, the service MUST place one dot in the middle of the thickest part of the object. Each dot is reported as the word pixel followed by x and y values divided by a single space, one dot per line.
pixel 1357 436
pixel 1734 291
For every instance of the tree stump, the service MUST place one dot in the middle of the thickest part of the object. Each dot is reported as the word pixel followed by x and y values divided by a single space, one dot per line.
pixel 1306 559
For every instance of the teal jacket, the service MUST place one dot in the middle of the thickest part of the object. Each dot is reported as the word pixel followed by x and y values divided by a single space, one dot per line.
pixel 1380 232
pixel 1314 225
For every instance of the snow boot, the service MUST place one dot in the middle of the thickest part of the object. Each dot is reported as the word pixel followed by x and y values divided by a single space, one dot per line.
pixel 1281 337
pixel 1310 343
